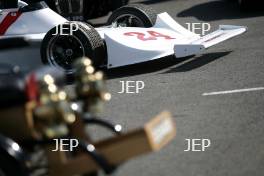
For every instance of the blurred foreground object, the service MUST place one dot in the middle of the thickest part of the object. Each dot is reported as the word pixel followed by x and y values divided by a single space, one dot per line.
pixel 90 86
pixel 52 111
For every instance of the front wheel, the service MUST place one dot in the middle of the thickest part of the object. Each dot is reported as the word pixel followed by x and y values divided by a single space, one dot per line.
pixel 133 15
pixel 61 50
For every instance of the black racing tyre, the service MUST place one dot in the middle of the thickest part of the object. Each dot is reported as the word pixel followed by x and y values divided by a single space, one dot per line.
pixel 9 166
pixel 133 15
pixel 62 50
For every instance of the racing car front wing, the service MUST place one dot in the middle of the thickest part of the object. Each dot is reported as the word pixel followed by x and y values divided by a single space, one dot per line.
pixel 223 33
pixel 126 46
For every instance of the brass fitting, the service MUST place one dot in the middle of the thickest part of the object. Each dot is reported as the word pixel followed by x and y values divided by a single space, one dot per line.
pixel 54 111
pixel 90 86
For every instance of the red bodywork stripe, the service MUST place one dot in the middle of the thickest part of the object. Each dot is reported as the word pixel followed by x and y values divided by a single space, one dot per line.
pixel 10 18
pixel 32 89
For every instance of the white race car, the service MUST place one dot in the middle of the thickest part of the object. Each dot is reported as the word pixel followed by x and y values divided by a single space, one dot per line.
pixel 134 34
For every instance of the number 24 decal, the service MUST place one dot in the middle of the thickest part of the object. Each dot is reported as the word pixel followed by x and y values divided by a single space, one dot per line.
pixel 152 35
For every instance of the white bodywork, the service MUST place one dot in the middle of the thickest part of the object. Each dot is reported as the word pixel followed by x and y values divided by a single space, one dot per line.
pixel 40 21
pixel 124 50
pixel 127 45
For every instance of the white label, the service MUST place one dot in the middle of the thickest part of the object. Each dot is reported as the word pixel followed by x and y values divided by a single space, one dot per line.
pixel 160 131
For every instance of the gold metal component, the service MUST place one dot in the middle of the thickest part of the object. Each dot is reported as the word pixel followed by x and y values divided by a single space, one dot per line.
pixel 107 96
pixel 52 132
pixel 99 75
pixel 90 86
pixel 62 95
pixel 48 79
pixel 71 118
pixel 87 62
pixel 54 97
pixel 89 69
pixel 83 66
pixel 52 88
pixel 54 112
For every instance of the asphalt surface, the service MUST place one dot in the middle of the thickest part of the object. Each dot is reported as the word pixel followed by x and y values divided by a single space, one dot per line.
pixel 233 122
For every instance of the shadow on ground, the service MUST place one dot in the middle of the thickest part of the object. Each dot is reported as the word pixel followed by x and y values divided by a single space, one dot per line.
pixel 142 68
pixel 177 64
pixel 148 2
pixel 218 10
pixel 197 62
